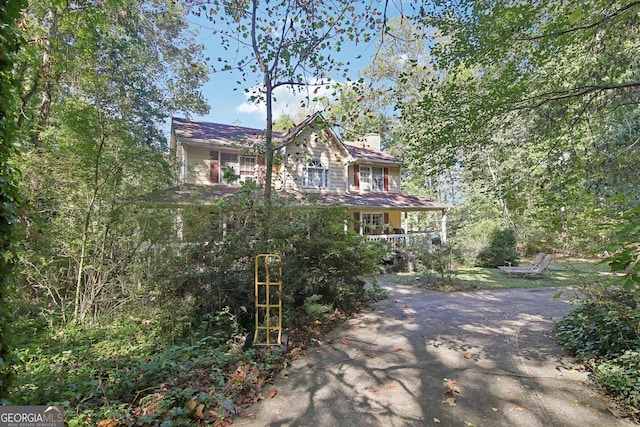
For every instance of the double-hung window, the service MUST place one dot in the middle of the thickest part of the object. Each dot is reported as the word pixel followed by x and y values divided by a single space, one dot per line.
pixel 315 175
pixel 371 178
pixel 248 170
pixel 372 222
pixel 234 166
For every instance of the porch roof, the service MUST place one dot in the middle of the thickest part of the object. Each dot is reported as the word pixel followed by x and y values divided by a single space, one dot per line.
pixel 386 201
pixel 208 195
pixel 189 195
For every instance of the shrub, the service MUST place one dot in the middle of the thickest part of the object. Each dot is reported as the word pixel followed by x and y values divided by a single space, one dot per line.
pixel 601 329
pixel 319 258
pixel 501 249
pixel 604 331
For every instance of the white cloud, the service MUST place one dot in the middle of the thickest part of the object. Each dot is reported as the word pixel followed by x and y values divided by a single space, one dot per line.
pixel 287 100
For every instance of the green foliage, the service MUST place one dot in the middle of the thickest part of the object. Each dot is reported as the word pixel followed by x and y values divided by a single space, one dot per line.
pixel 501 249
pixel 9 197
pixel 320 258
pixel 313 307
pixel 527 107
pixel 604 331
pixel 625 249
pixel 621 378
pixel 132 369
pixel 601 329
pixel 93 100
pixel 441 259
pixel 376 292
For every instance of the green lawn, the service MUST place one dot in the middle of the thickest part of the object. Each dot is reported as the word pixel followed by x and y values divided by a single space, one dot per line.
pixel 561 273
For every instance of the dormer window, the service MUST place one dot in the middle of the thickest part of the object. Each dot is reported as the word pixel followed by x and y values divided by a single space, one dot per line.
pixel 315 175
pixel 371 178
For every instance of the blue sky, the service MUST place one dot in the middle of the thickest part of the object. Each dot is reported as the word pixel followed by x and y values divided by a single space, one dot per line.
pixel 228 100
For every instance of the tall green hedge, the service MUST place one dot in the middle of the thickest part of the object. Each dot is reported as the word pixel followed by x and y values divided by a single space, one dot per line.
pixel 9 45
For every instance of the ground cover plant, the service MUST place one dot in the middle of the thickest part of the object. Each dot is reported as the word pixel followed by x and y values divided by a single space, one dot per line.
pixel 604 332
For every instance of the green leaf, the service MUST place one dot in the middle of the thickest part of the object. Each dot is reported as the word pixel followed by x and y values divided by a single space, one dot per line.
pixel 576 16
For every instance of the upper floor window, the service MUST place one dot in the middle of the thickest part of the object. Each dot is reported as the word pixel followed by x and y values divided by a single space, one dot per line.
pixel 371 178
pixel 238 168
pixel 315 175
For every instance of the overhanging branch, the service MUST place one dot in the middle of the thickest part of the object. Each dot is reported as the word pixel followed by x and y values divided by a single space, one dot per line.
pixel 576 92
pixel 594 24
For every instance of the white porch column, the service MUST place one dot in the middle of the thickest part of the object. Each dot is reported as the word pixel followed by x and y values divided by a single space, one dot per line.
pixel 405 222
pixel 443 232
pixel 178 225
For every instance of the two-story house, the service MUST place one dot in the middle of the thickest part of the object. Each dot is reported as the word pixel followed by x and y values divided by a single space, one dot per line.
pixel 214 158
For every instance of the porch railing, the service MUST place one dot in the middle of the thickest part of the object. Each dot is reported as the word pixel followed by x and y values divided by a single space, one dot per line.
pixel 405 239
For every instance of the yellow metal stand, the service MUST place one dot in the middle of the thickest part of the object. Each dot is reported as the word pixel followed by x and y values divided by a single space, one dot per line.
pixel 268 292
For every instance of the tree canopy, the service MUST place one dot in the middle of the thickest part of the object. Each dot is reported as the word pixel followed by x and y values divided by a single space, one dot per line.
pixel 96 82
pixel 530 99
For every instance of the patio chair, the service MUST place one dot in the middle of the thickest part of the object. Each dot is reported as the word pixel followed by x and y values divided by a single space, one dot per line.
pixel 536 271
pixel 534 264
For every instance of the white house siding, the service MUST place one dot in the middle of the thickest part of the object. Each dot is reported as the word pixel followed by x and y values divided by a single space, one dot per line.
pixel 313 145
pixel 198 166
pixel 394 179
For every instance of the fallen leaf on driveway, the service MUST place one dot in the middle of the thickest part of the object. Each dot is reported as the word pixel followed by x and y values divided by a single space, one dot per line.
pixel 371 389
pixel 451 401
pixel 345 341
pixel 452 387
pixel 468 356
pixel 398 350
pixel 273 393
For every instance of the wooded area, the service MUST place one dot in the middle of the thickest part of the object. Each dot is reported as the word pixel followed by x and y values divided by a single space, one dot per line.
pixel 523 115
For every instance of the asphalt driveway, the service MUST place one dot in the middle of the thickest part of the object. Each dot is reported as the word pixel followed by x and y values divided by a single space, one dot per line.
pixel 423 358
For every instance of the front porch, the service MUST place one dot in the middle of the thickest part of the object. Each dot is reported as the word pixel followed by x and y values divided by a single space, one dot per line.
pixel 406 239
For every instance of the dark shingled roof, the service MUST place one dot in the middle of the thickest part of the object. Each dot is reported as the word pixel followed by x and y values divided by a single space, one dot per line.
pixel 227 135
pixel 387 201
pixel 190 195
pixel 218 133
pixel 362 154
pixel 209 195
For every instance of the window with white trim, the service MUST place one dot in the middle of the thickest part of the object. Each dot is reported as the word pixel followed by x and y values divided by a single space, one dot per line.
pixel 371 178
pixel 371 222
pixel 238 165
pixel 315 175
pixel 248 169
